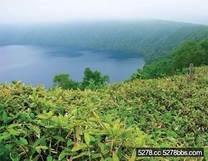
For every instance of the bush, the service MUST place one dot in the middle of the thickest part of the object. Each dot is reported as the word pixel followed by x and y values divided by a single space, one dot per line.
pixel 106 124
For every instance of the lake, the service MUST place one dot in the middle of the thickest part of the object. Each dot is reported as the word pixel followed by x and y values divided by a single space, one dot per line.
pixel 35 65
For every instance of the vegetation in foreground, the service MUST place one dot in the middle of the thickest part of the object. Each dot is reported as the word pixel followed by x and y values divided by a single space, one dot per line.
pixel 104 124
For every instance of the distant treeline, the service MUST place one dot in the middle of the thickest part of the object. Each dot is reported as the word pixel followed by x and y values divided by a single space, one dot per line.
pixel 152 39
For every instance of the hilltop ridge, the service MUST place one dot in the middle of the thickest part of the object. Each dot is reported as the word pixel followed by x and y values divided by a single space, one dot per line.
pixel 152 39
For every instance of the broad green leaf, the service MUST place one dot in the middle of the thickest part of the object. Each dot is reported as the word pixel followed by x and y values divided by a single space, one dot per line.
pixel 14 125
pixel 37 157
pixel 87 138
pixel 23 141
pixel 49 158
pixel 36 129
pixel 96 116
pixel 79 146
pixel 46 115
pixel 69 142
pixel 115 157
pixel 63 154
pixel 172 133
pixel 59 138
pixel 4 136
pixel 13 132
pixel 78 133
pixel 37 142
pixel 96 155
pixel 104 149
pixel 39 148
pixel 86 153
pixel 4 117
pixel 108 127
pixel 108 159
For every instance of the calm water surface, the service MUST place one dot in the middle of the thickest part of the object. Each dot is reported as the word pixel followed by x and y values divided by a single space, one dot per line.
pixel 35 65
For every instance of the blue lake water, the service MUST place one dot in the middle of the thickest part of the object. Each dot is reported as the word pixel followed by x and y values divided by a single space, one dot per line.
pixel 35 65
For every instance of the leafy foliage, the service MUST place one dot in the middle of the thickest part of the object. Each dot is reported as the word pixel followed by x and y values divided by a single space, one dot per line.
pixel 63 81
pixel 91 80
pixel 105 124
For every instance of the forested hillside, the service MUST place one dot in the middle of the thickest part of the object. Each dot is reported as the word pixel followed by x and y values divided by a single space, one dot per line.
pixel 106 124
pixel 153 39
pixel 189 52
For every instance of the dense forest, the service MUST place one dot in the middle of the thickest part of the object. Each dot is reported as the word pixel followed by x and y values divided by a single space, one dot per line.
pixel 178 61
pixel 152 39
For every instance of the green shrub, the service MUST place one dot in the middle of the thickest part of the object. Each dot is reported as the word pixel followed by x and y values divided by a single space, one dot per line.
pixel 104 124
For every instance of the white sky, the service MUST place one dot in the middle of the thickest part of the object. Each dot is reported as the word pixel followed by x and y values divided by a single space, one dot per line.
pixel 44 11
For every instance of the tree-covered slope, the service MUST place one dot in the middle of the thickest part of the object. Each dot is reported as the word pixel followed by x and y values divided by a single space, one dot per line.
pixel 151 38
pixel 189 52
pixel 106 124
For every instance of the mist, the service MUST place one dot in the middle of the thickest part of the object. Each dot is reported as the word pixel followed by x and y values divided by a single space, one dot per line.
pixel 54 11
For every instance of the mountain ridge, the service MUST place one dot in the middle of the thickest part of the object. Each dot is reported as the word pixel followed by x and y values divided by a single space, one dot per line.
pixel 153 39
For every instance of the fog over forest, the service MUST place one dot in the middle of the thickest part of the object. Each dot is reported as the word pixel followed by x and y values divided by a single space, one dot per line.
pixel 51 11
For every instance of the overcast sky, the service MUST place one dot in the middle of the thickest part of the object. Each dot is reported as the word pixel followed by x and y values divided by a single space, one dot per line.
pixel 44 11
